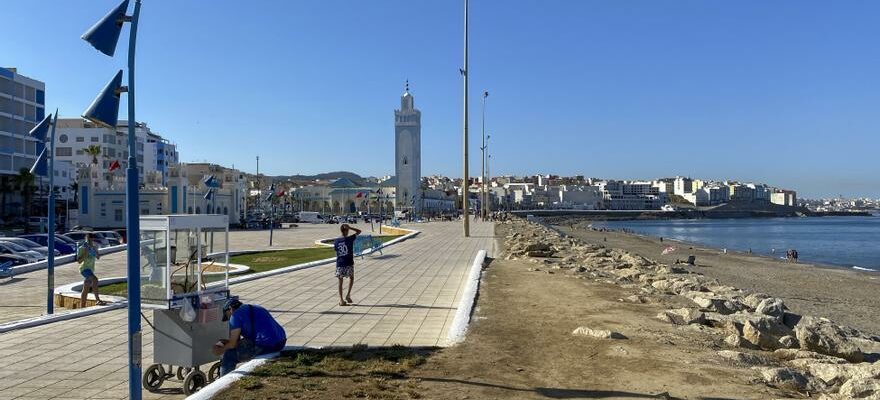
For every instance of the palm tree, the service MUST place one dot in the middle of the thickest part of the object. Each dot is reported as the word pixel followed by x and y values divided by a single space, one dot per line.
pixel 5 188
pixel 74 187
pixel 94 151
pixel 24 182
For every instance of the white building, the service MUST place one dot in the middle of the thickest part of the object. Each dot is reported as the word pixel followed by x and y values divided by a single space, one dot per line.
pixel 408 153
pixel 784 197
pixel 580 197
pixel 681 186
pixel 75 135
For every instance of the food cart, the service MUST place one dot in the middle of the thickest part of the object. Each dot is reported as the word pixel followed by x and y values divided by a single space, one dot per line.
pixel 185 281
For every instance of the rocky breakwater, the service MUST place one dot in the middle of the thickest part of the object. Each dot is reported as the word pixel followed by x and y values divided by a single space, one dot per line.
pixel 805 354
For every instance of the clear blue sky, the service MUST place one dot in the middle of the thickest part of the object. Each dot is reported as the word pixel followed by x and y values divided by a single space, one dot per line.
pixel 784 92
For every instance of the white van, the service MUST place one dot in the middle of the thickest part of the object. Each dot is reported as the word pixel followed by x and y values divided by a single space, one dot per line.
pixel 310 217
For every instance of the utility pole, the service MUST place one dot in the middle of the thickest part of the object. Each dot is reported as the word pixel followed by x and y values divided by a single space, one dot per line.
pixel 483 149
pixel 464 181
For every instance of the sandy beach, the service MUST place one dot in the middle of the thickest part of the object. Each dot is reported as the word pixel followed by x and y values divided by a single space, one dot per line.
pixel 848 297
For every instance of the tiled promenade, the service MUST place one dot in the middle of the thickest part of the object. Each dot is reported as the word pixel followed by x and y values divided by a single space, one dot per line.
pixel 25 295
pixel 408 296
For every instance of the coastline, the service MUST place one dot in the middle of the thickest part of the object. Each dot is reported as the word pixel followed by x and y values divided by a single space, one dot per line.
pixel 847 296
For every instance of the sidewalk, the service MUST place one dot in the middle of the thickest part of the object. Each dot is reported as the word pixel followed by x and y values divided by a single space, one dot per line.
pixel 408 296
pixel 25 295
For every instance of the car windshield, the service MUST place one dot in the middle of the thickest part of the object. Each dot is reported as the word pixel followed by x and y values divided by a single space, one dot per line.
pixel 64 239
pixel 15 246
pixel 27 243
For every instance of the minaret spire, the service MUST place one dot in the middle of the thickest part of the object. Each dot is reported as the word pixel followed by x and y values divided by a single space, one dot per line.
pixel 407 86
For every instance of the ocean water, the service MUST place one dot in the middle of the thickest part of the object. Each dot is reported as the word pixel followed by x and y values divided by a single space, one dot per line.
pixel 851 242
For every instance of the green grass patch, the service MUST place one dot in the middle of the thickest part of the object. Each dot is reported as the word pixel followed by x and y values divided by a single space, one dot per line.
pixel 373 373
pixel 258 262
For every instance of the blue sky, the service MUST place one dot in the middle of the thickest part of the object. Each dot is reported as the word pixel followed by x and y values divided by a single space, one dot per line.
pixel 783 92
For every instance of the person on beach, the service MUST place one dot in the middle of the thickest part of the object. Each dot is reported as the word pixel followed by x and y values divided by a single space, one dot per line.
pixel 345 260
pixel 794 256
pixel 86 256
pixel 252 332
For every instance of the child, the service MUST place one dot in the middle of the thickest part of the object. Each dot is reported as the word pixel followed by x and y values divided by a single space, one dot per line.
pixel 86 256
pixel 345 260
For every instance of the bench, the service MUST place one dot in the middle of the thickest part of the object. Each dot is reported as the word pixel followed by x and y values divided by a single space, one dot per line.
pixel 6 270
pixel 364 243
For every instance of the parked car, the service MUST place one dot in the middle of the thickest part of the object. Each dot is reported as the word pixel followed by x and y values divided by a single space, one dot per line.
pixel 66 239
pixel 112 237
pixel 31 245
pixel 80 236
pixel 60 245
pixel 16 260
pixel 14 249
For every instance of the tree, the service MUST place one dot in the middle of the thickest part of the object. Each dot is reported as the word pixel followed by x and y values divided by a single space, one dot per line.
pixel 94 151
pixel 5 188
pixel 24 182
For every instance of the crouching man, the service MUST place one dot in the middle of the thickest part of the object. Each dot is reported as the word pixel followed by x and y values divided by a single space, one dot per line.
pixel 252 332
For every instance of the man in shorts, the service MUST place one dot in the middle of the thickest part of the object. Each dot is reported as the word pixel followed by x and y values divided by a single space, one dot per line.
pixel 86 256
pixel 345 260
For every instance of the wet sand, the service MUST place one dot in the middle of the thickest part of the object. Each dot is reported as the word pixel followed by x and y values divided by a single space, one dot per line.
pixel 848 297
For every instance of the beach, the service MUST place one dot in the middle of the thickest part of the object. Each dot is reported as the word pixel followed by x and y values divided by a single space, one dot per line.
pixel 848 297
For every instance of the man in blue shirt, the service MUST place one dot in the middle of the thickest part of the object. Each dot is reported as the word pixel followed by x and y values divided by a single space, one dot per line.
pixel 252 332
pixel 345 260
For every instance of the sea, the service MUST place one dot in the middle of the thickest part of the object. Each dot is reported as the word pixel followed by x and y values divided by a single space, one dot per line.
pixel 849 242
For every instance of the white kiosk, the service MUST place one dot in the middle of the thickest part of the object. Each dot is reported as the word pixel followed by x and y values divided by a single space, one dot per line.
pixel 185 281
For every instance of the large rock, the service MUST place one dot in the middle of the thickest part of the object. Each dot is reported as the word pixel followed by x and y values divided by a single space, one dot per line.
pixel 742 358
pixel 538 247
pixel 757 330
pixel 682 316
pixel 864 388
pixel 772 306
pixel 823 336
pixel 785 378
pixel 597 333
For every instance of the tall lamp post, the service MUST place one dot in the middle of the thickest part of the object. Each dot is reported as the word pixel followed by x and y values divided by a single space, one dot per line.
pixel 483 149
pixel 488 204
pixel 104 111
pixel 39 133
pixel 464 180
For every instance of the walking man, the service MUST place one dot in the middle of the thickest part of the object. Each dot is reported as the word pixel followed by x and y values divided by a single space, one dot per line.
pixel 252 332
pixel 86 256
pixel 345 260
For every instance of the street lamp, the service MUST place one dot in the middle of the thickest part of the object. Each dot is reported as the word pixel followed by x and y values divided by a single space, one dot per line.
pixel 483 149
pixel 464 180
pixel 39 133
pixel 104 111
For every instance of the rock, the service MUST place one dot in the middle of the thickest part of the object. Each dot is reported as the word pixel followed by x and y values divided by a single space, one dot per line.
pixel 864 388
pixel 790 319
pixel 799 354
pixel 540 253
pixel 635 299
pixel 754 299
pixel 733 340
pixel 682 316
pixel 755 334
pixel 785 378
pixel 822 336
pixel 743 358
pixel 538 247
pixel 788 342
pixel 772 306
pixel 714 303
pixel 580 269
pixel 597 333
pixel 664 285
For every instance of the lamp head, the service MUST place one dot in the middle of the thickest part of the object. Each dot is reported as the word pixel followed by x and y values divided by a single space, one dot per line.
pixel 105 33
pixel 209 194
pixel 104 110
pixel 40 166
pixel 39 131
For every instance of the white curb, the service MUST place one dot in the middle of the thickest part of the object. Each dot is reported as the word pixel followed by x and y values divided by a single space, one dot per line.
pixel 50 318
pixel 225 381
pixel 463 315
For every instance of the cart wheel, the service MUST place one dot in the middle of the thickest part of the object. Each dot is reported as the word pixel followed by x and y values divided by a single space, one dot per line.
pixel 169 372
pixel 194 381
pixel 182 372
pixel 214 372
pixel 153 377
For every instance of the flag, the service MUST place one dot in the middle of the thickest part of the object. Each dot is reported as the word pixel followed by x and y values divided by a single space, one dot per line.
pixel 115 165
pixel 359 195
pixel 281 193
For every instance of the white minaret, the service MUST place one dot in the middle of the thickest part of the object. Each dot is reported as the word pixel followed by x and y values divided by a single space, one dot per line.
pixel 408 153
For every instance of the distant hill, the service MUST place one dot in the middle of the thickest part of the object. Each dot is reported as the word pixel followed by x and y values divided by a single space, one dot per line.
pixel 325 176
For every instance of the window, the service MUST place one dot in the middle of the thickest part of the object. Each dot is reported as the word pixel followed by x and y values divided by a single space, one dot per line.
pixel 62 138
pixel 80 139
pixel 79 152
pixel 117 215
pixel 94 139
